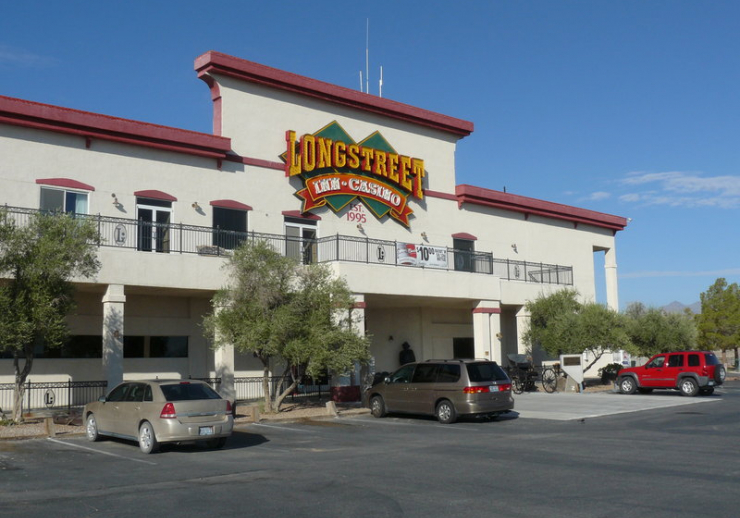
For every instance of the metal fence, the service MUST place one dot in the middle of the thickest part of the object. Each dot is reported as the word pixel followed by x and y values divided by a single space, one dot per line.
pixel 62 395
pixel 251 388
pixel 207 241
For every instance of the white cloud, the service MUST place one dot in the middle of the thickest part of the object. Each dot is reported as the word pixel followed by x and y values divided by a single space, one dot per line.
pixel 658 273
pixel 20 57
pixel 681 189
pixel 599 195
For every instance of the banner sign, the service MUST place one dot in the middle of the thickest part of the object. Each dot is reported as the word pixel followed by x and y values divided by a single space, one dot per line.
pixel 337 171
pixel 410 254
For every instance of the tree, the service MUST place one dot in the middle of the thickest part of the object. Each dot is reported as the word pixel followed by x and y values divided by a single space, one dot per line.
pixel 560 324
pixel 719 320
pixel 288 315
pixel 654 331
pixel 37 260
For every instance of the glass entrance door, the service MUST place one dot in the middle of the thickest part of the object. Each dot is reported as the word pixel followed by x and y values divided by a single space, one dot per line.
pixel 300 242
pixel 153 228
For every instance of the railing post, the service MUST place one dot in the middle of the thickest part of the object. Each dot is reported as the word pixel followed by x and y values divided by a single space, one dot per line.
pixel 542 273
pixel 28 401
pixel 337 247
pixel 181 237
pixel 69 394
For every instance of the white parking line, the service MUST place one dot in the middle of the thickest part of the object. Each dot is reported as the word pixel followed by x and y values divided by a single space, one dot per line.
pixel 281 428
pixel 65 443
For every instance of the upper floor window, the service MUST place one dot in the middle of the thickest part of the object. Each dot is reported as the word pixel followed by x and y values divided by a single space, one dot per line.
pixel 229 223
pixel 63 200
pixel 300 240
pixel 463 250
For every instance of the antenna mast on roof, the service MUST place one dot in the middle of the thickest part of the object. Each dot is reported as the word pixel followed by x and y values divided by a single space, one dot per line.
pixel 367 57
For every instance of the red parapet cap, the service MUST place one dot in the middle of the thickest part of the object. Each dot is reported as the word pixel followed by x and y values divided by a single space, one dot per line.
pixel 513 202
pixel 221 64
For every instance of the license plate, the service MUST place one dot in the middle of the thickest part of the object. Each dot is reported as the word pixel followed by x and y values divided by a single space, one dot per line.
pixel 494 388
pixel 206 430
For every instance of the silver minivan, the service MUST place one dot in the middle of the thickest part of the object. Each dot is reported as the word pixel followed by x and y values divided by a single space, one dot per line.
pixel 445 389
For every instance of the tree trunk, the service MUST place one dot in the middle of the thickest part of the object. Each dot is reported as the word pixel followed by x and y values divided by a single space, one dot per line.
pixel 20 381
pixel 279 397
pixel 266 385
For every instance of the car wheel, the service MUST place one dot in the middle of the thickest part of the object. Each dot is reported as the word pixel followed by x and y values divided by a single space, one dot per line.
pixel 688 387
pixel 377 406
pixel 643 390
pixel 147 440
pixel 91 429
pixel 627 385
pixel 446 413
pixel 707 391
pixel 719 374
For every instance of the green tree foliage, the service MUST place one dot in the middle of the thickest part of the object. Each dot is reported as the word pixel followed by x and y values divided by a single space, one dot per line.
pixel 294 317
pixel 37 261
pixel 560 324
pixel 654 331
pixel 719 320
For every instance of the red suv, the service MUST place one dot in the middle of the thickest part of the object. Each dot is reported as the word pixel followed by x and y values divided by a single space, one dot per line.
pixel 691 372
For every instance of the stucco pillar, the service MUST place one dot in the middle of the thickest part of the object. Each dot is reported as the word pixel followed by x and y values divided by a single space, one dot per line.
pixel 114 301
pixel 522 325
pixel 610 271
pixel 487 330
pixel 223 361
pixel 357 320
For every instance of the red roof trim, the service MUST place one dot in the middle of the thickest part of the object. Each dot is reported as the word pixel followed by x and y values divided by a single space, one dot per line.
pixel 522 204
pixel 90 125
pixel 437 194
pixel 222 64
pixel 155 195
pixel 257 162
pixel 65 182
pixel 230 204
pixel 302 215
pixel 464 235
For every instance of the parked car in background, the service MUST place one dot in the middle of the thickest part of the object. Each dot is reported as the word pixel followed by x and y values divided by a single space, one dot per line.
pixel 445 389
pixel 690 372
pixel 153 412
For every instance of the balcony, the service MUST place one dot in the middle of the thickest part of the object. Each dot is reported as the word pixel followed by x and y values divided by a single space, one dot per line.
pixel 178 238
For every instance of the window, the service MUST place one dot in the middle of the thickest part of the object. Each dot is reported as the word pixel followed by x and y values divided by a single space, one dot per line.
pixel 229 227
pixel 76 346
pixel 300 240
pixel 675 360
pixel 694 360
pixel 463 348
pixel 481 372
pixel 463 253
pixel 403 375
pixel 448 373
pixel 656 362
pixel 61 200
pixel 153 224
pixel 425 373
pixel 155 346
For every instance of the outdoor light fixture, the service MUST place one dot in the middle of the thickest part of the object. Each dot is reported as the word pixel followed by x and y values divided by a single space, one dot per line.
pixel 115 200
pixel 424 236
pixel 195 205
pixel 513 247
pixel 359 227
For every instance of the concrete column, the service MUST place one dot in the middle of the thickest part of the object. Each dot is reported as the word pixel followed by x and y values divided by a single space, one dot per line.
pixel 114 301
pixel 487 330
pixel 357 319
pixel 522 325
pixel 223 360
pixel 610 271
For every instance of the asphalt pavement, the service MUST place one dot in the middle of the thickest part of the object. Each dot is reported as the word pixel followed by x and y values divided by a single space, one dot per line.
pixel 567 406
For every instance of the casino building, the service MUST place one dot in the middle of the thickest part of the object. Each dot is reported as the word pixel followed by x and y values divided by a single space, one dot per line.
pixel 327 174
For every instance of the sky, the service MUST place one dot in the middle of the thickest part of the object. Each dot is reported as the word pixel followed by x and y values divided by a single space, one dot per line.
pixel 626 107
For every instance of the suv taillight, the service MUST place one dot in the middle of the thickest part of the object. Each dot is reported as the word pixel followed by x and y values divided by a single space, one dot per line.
pixel 228 406
pixel 168 412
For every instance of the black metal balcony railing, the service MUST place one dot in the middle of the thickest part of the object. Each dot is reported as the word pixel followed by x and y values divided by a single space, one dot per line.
pixel 206 241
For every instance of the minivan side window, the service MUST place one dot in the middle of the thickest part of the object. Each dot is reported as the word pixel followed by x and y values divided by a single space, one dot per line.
pixel 448 373
pixel 425 373
pixel 403 375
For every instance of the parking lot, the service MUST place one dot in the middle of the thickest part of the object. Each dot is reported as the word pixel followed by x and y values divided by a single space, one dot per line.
pixel 558 455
